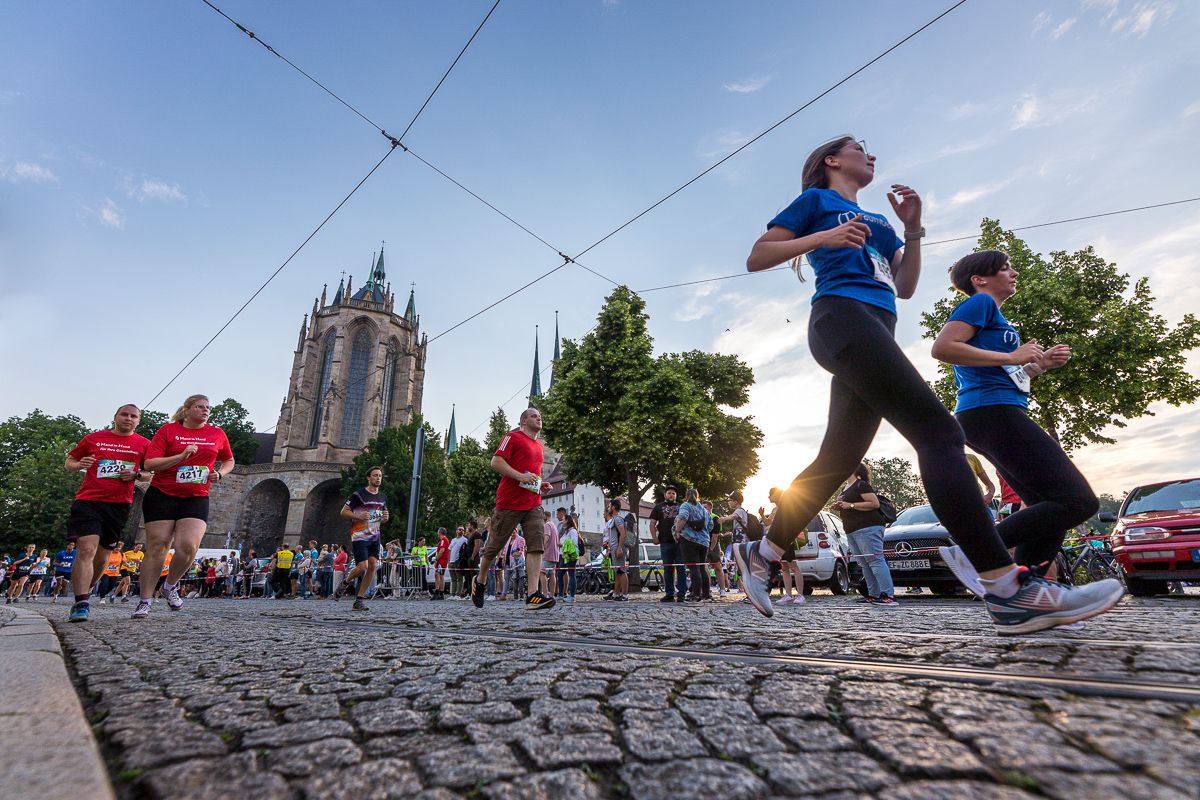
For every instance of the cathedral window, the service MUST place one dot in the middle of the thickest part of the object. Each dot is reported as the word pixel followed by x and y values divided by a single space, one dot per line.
pixel 389 383
pixel 356 389
pixel 322 388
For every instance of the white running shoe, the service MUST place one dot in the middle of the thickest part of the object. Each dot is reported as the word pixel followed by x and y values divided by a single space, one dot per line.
pixel 142 611
pixel 171 595
pixel 786 600
pixel 962 569
pixel 755 570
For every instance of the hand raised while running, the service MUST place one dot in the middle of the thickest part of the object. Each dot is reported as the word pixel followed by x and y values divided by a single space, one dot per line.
pixel 908 207
pixel 850 233
pixel 1027 353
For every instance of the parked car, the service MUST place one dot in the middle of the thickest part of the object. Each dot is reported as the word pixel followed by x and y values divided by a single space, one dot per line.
pixel 823 558
pixel 650 566
pixel 910 547
pixel 1157 536
pixel 258 581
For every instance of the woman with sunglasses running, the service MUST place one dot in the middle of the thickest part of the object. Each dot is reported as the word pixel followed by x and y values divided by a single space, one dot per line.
pixel 861 267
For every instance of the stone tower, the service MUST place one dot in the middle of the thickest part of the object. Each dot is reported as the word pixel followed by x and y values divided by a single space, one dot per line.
pixel 359 368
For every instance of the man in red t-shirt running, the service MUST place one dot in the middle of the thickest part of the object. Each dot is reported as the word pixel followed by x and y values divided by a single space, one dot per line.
pixel 518 459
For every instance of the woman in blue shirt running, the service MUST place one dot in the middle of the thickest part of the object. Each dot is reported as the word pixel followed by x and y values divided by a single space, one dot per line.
pixel 993 370
pixel 861 267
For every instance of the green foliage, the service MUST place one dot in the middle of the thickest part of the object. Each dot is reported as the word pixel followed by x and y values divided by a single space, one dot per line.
pixel 896 479
pixel 498 427
pixel 438 504
pixel 1124 356
pixel 1107 503
pixel 625 420
pixel 37 495
pixel 150 422
pixel 231 417
pixel 469 469
pixel 20 436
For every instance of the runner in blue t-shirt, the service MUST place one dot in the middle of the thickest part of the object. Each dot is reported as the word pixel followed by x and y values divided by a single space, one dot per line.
pixel 861 266
pixel 993 370
pixel 63 561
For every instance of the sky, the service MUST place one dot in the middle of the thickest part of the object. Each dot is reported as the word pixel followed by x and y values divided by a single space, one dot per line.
pixel 157 166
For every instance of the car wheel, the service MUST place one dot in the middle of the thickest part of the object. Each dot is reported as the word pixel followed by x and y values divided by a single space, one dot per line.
pixel 840 582
pixel 1142 587
pixel 947 589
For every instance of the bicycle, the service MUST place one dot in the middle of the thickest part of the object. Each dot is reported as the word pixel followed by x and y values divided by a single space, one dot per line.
pixel 1090 560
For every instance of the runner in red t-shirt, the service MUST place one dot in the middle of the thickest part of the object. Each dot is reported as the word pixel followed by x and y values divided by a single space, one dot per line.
pixel 442 560
pixel 518 459
pixel 111 460
pixel 183 456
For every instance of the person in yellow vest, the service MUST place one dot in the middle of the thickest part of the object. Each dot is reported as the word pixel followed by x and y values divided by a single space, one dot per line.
pixel 281 571
pixel 130 560
pixel 107 585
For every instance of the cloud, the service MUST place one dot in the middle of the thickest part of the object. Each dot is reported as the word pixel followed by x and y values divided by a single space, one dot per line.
pixel 751 85
pixel 936 207
pixel 28 171
pixel 152 189
pixel 722 143
pixel 1044 20
pixel 1031 111
pixel 1142 17
pixel 109 214
pixel 1061 29
pixel 1194 108
pixel 8 96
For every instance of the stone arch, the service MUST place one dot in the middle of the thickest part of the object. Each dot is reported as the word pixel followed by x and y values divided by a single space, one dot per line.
pixel 322 515
pixel 265 517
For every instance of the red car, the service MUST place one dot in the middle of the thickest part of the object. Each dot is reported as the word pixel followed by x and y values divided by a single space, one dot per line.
pixel 1157 538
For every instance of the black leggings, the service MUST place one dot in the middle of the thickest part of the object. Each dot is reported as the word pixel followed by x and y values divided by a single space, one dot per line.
pixel 873 380
pixel 1054 494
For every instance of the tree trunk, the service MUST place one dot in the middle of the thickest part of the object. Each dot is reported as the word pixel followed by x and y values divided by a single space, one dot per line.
pixel 1049 426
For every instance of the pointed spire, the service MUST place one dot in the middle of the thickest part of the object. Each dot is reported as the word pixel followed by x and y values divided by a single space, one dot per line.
pixel 452 436
pixel 337 298
pixel 324 289
pixel 410 313
pixel 303 333
pixel 535 386
pixel 554 363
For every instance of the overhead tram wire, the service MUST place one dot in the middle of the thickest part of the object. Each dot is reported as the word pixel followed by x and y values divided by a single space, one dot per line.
pixel 288 260
pixel 940 241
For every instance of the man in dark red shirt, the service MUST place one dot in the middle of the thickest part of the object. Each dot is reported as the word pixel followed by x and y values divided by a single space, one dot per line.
pixel 518 459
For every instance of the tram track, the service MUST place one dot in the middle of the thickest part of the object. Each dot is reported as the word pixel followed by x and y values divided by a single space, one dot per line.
pixel 1076 684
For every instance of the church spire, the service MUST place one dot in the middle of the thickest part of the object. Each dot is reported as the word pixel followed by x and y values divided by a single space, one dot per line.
pixel 554 363
pixel 452 436
pixel 535 386
pixel 337 298
pixel 410 313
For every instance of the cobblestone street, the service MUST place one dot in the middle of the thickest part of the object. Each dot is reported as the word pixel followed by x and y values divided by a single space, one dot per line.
pixel 291 699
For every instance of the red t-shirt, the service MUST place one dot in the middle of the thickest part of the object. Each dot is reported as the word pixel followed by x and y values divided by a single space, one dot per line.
pixel 113 453
pixel 524 455
pixel 1007 495
pixel 339 562
pixel 188 478
pixel 443 552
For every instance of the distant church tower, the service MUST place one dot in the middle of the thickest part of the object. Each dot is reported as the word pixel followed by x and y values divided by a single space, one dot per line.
pixel 359 368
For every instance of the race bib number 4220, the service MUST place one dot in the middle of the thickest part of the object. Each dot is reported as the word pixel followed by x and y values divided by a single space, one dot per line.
pixel 192 474
pixel 109 468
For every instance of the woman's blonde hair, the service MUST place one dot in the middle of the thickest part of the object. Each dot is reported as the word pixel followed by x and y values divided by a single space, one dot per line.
pixel 181 413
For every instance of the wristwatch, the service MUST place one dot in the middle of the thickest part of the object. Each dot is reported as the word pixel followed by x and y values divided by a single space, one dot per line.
pixel 918 234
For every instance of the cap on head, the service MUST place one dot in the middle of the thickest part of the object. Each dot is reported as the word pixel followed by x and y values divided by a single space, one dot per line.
pixel 735 495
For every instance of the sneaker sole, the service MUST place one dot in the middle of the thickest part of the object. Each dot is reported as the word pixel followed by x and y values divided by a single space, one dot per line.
pixel 952 564
pixel 745 570
pixel 476 600
pixel 539 606
pixel 1053 620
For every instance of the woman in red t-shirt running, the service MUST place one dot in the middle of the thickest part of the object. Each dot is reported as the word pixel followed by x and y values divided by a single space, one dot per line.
pixel 183 456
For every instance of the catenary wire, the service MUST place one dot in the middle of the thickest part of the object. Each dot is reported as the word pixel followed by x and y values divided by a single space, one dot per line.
pixel 941 241
pixel 258 291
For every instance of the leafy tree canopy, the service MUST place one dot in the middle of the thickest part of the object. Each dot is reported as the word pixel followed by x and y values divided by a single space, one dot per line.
pixel 150 422
pixel 625 420
pixel 232 417
pixel 37 494
pixel 469 469
pixel 1123 355
pixel 896 479
pixel 21 436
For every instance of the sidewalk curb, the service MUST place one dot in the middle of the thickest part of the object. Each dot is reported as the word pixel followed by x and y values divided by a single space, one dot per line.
pixel 44 736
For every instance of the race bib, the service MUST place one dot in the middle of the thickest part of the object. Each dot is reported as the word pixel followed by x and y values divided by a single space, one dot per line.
pixel 1018 376
pixel 535 487
pixel 192 474
pixel 374 517
pixel 883 270
pixel 109 468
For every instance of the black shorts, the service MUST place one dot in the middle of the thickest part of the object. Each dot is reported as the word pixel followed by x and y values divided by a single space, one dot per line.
pixel 157 506
pixel 364 550
pixel 98 518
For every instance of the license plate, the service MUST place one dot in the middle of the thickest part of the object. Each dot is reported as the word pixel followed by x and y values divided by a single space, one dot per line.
pixel 909 563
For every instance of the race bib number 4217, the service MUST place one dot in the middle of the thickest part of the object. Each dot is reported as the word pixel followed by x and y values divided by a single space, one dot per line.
pixel 192 474
pixel 109 468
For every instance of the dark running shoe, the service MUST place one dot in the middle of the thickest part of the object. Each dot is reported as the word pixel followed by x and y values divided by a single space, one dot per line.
pixel 1040 604
pixel 537 600
pixel 340 591
pixel 477 592
pixel 756 574
pixel 79 612
pixel 885 601
pixel 359 605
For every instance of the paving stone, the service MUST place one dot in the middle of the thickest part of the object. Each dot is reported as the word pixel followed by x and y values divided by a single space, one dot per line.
pixel 822 772
pixel 468 764
pixel 196 780
pixel 454 714
pixel 581 723
pixel 481 733
pixel 378 779
pixel 682 780
pixel 917 749
pixel 776 698
pixel 1010 753
pixel 410 746
pixel 433 700
pixel 741 741
pixel 954 790
pixel 717 691
pixel 238 715
pixel 566 784
pixel 169 743
pixel 715 712
pixel 389 715
pixel 312 708
pixel 518 691
pixel 810 737
pixel 573 689
pixel 551 708
pixel 314 757
pixel 576 748
pixel 1077 786
pixel 298 733
pixel 647 699
pixel 659 735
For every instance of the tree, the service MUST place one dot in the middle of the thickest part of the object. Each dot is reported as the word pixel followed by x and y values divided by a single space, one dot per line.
pixel 392 449
pixel 37 495
pixel 1124 356
pixel 624 420
pixel 20 436
pixel 469 469
pixel 895 478
pixel 150 422
pixel 1107 503
pixel 231 417
pixel 498 428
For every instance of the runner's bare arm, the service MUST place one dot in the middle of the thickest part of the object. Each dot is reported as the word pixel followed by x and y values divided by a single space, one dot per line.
pixel 906 263
pixel 779 244
pixel 79 465
pixel 501 465
pixel 166 462
pixel 951 348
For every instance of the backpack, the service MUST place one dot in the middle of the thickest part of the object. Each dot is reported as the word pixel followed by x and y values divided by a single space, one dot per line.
pixel 887 509
pixel 754 527
pixel 569 552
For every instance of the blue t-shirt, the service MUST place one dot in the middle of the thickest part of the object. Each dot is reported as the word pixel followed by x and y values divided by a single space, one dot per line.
pixel 65 560
pixel 989 386
pixel 864 274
